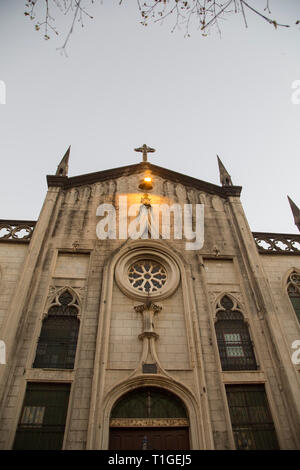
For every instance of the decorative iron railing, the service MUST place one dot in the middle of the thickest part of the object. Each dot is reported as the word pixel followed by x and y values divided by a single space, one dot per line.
pixel 277 243
pixel 16 230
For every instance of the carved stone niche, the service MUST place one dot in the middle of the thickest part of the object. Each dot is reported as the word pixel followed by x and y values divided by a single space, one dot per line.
pixel 149 362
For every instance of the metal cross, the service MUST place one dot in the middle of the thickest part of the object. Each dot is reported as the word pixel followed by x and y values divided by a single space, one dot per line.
pixel 145 150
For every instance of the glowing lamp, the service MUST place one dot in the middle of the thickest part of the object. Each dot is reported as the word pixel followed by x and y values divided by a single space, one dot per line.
pixel 146 183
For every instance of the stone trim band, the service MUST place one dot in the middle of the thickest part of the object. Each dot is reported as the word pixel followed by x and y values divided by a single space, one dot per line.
pixel 148 422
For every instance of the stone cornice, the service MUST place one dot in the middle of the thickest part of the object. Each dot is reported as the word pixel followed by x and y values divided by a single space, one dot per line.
pixel 90 178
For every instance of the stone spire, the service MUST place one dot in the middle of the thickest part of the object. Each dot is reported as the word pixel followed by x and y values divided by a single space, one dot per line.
pixel 296 213
pixel 62 169
pixel 225 177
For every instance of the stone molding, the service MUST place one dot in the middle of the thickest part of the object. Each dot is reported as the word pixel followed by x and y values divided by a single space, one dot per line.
pixel 148 422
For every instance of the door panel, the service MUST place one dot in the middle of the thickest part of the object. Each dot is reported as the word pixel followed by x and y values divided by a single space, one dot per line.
pixel 149 439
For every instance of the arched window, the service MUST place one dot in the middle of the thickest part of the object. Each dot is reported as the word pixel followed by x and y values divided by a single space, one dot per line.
pixel 58 339
pixel 293 288
pixel 149 403
pixel 234 342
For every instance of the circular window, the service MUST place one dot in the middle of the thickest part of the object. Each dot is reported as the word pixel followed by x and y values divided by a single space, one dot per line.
pixel 147 276
pixel 146 273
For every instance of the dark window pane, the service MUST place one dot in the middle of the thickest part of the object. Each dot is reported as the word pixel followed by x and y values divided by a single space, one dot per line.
pixel 57 343
pixel 43 417
pixel 226 303
pixel 295 299
pixel 251 419
pixel 235 346
pixel 149 403
pixel 234 342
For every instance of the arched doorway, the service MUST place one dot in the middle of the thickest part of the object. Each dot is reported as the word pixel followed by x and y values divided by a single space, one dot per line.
pixel 149 419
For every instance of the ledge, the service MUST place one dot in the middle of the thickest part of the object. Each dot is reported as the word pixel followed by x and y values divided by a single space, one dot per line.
pixel 243 376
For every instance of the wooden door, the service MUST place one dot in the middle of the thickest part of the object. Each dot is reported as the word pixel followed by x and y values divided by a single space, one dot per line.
pixel 149 438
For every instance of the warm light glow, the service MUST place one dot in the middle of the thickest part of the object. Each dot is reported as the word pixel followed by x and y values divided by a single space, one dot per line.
pixel 147 179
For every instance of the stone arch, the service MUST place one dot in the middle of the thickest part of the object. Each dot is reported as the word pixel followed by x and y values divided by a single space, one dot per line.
pixel 285 279
pixel 57 341
pixel 292 289
pixel 98 432
pixel 160 382
pixel 236 305
pixel 56 292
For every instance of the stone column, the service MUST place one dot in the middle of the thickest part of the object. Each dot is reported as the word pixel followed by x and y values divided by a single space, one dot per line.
pixel 16 316
pixel 283 368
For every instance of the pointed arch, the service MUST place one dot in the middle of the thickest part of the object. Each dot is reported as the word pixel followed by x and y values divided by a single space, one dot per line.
pixel 293 290
pixel 74 299
pixel 57 342
pixel 233 337
pixel 231 302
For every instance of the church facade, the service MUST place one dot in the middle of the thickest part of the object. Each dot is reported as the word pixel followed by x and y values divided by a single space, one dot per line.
pixel 111 341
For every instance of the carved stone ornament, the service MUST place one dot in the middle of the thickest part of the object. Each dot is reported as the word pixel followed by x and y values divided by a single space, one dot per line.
pixel 148 310
pixel 54 297
pixel 148 422
pixel 147 275
pixel 232 302
pixel 147 306
pixel 293 283
pixel 13 230
pixel 277 243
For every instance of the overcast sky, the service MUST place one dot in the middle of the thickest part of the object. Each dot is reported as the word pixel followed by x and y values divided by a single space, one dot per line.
pixel 123 85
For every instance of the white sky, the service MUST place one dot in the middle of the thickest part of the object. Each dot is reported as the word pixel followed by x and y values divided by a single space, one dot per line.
pixel 124 85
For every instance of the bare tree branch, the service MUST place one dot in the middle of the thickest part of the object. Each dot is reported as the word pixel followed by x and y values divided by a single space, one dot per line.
pixel 204 13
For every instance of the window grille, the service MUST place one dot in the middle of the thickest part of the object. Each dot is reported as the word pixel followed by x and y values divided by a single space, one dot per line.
pixel 58 339
pixel 43 417
pixel 149 403
pixel 251 419
pixel 234 342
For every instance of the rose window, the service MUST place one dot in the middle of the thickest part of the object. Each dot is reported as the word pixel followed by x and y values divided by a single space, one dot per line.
pixel 147 276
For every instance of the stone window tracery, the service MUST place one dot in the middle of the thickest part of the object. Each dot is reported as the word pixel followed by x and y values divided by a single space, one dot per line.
pixel 146 273
pixel 147 276
pixel 57 343
pixel 293 288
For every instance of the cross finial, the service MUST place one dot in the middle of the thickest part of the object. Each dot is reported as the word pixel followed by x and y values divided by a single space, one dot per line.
pixel 145 150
